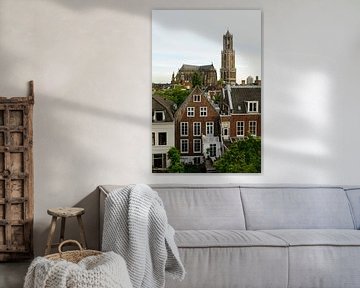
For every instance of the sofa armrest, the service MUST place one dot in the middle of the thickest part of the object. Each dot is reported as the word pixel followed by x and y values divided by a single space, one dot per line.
pixel 102 197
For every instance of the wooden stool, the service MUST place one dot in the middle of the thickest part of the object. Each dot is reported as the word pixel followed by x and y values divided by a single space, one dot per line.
pixel 64 213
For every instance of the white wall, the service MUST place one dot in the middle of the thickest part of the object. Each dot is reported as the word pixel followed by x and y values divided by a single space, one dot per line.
pixel 91 63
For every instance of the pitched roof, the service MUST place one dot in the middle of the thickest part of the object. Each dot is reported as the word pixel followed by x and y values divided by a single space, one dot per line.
pixel 159 102
pixel 240 95
pixel 187 67
pixel 182 107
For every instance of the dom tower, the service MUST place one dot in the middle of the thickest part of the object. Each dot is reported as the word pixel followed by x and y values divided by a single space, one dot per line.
pixel 228 70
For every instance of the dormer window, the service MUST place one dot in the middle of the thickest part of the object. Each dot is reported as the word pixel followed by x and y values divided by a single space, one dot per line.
pixel 252 106
pixel 159 116
pixel 197 98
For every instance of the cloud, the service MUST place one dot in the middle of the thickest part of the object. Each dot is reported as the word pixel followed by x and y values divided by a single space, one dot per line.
pixel 195 37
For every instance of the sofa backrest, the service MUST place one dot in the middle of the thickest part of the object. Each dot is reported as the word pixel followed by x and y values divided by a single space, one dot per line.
pixel 296 208
pixel 234 207
pixel 199 207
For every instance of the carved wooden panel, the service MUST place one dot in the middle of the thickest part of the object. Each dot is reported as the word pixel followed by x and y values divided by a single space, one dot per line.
pixel 16 177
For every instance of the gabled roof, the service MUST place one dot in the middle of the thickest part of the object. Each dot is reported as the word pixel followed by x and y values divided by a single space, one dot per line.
pixel 159 103
pixel 196 90
pixel 187 67
pixel 207 67
pixel 238 96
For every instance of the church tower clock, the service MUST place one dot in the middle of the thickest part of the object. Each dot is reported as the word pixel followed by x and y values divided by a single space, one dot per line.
pixel 228 70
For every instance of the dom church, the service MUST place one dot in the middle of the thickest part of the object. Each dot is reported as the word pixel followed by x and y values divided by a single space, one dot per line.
pixel 186 72
pixel 208 73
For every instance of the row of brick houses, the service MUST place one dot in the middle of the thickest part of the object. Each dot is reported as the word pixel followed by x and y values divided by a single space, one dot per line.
pixel 199 129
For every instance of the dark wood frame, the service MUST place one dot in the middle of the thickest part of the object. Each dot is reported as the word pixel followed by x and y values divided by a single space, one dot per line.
pixel 16 177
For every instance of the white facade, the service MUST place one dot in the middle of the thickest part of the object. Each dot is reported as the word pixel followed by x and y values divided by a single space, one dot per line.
pixel 211 147
pixel 158 145
pixel 225 130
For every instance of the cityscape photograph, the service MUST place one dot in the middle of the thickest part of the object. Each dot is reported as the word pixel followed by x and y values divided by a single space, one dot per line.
pixel 206 91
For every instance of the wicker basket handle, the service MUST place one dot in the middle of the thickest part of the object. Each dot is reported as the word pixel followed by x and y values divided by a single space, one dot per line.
pixel 69 241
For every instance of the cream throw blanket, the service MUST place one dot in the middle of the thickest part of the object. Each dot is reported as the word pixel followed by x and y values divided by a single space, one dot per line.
pixel 102 271
pixel 136 227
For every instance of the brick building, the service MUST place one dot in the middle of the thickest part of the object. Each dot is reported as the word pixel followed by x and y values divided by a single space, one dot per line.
pixel 240 112
pixel 197 129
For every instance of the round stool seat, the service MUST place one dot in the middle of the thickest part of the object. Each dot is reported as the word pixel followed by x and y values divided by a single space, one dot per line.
pixel 66 211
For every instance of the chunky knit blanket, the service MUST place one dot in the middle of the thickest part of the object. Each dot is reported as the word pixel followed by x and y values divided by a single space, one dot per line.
pixel 136 227
pixel 107 270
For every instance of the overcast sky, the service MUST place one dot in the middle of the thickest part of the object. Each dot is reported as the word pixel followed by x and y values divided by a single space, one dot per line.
pixel 195 37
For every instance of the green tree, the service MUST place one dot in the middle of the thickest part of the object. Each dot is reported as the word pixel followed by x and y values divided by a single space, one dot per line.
pixel 243 156
pixel 217 99
pixel 196 79
pixel 175 164
pixel 220 83
pixel 176 94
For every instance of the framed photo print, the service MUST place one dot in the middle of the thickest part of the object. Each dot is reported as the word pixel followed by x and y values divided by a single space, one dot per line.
pixel 206 91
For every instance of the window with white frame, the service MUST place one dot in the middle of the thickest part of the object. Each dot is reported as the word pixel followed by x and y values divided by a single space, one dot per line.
pixel 159 161
pixel 162 140
pixel 203 111
pixel 184 146
pixel 197 146
pixel 253 106
pixel 184 127
pixel 209 128
pixel 240 128
pixel 252 127
pixel 159 116
pixel 190 111
pixel 212 150
pixel 197 128
pixel 197 98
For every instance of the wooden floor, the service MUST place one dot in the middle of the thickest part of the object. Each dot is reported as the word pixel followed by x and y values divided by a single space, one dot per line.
pixel 12 274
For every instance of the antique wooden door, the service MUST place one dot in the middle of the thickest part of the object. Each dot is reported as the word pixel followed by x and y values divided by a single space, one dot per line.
pixel 16 177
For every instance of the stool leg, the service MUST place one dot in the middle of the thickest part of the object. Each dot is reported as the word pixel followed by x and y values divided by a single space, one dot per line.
pixel 51 235
pixel 82 232
pixel 62 231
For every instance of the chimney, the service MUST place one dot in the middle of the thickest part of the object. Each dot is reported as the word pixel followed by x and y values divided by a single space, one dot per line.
pixel 243 82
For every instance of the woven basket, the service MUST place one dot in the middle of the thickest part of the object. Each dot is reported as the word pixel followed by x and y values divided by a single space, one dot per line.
pixel 72 256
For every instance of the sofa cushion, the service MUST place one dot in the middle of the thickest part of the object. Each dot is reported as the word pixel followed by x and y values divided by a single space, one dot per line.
pixel 202 207
pixel 324 266
pixel 322 258
pixel 226 238
pixel 317 237
pixel 220 267
pixel 296 208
